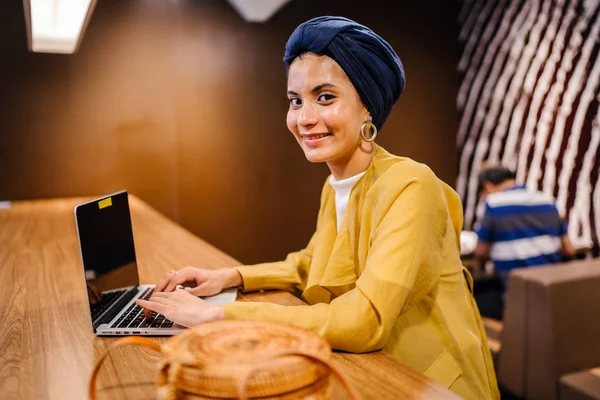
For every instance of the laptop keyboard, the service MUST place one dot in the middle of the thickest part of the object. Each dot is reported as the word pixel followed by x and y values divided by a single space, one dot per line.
pixel 135 318
pixel 107 300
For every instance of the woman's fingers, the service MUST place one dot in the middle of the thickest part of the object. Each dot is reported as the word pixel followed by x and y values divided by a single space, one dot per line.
pixel 164 282
pixel 172 285
pixel 169 282
pixel 159 299
pixel 150 306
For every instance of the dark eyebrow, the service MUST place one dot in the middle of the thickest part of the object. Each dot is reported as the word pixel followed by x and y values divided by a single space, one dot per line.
pixel 322 86
pixel 316 89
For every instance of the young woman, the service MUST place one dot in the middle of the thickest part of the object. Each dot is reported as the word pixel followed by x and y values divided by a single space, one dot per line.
pixel 383 269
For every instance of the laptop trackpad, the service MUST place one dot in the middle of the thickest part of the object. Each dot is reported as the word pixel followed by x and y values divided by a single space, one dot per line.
pixel 226 296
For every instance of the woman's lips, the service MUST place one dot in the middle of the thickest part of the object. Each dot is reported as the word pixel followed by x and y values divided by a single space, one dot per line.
pixel 315 139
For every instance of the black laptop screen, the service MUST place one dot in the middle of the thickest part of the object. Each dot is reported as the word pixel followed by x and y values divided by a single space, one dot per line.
pixel 107 248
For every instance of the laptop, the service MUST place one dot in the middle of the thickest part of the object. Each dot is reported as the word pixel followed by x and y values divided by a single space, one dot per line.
pixel 111 271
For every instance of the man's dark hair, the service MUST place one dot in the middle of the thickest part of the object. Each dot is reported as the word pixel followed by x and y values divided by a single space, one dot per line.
pixel 494 175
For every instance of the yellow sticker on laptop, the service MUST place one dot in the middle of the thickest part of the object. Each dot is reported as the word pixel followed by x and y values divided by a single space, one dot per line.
pixel 105 203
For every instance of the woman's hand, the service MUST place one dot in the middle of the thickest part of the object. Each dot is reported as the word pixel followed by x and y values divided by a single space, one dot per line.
pixel 200 282
pixel 180 305
pixel 182 308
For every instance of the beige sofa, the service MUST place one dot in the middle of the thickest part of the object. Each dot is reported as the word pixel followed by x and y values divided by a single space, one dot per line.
pixel 551 330
pixel 583 385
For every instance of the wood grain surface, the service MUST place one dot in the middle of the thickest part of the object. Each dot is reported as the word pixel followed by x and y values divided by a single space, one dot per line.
pixel 47 347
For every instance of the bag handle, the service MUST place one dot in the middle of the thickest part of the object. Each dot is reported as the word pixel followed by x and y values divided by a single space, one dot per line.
pixel 350 390
pixel 121 342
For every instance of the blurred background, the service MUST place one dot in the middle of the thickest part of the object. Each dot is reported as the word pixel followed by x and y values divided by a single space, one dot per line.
pixel 183 103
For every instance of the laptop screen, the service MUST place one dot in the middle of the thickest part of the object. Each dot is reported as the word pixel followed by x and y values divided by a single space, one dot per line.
pixel 107 248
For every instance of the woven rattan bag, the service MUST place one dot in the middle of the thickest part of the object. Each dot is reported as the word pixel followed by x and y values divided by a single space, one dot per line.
pixel 241 359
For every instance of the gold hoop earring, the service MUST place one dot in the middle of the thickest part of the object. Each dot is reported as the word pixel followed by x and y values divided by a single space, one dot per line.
pixel 368 125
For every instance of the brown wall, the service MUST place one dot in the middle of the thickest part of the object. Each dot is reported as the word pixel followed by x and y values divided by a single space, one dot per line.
pixel 183 104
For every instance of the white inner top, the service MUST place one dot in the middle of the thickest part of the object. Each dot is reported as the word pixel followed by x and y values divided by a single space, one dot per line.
pixel 342 194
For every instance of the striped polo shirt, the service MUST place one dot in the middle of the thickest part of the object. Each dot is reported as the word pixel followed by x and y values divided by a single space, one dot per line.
pixel 523 228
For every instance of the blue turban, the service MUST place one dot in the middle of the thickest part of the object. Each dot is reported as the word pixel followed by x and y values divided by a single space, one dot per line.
pixel 373 67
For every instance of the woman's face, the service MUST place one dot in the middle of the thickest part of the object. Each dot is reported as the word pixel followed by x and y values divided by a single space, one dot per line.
pixel 326 112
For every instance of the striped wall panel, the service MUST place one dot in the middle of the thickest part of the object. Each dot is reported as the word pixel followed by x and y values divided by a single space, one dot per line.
pixel 528 99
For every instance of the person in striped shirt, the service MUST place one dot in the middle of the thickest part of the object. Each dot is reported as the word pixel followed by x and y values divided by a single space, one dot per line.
pixel 520 227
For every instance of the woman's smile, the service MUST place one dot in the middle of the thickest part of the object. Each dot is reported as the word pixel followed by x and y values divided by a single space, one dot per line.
pixel 315 139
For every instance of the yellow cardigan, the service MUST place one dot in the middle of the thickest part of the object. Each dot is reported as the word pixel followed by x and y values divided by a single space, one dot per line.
pixel 391 278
